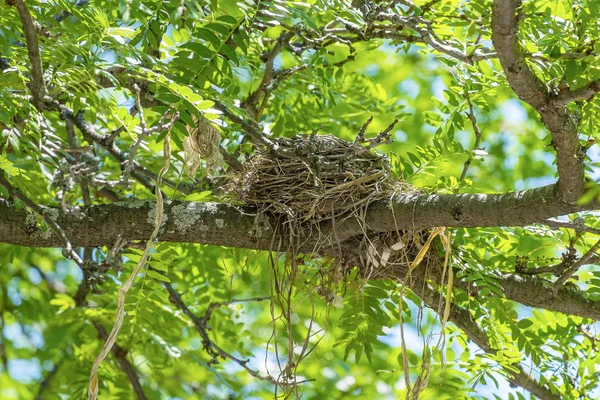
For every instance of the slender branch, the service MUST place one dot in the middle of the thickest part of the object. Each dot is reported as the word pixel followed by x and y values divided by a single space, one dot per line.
pixel 529 88
pixel 251 103
pixel 38 87
pixel 74 144
pixel 428 36
pixel 476 130
pixel 462 319
pixel 144 132
pixel 585 93
pixel 584 260
pixel 139 172
pixel 218 304
pixel 576 225
pixel 201 326
pixel 47 381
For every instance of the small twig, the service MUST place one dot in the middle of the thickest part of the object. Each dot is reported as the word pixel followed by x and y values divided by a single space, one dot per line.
pixel 46 382
pixel 592 338
pixel 577 225
pixel 585 259
pixel 74 144
pixel 38 87
pixel 384 137
pixel 360 137
pixel 476 130
pixel 214 305
pixel 144 132
pixel 201 326
pixel 568 259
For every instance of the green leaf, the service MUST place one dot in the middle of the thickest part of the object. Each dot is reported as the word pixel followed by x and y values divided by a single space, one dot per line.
pixel 157 276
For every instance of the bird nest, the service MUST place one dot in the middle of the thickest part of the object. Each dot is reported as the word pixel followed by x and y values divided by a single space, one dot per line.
pixel 311 181
pixel 313 178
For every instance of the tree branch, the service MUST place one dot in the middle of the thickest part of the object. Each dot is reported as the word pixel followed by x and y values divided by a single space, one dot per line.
pixel 242 227
pixel 47 215
pixel 476 131
pixel 537 293
pixel 38 87
pixel 530 89
pixel 47 381
pixel 201 326
pixel 584 260
pixel 139 172
pixel 423 211
pixel 228 225
pixel 585 93
pixel 251 103
pixel 575 225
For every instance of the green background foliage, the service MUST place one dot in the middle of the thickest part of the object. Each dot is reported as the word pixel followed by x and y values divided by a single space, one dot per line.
pixel 190 54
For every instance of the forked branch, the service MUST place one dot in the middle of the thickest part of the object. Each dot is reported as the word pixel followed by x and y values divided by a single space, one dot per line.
pixel 530 89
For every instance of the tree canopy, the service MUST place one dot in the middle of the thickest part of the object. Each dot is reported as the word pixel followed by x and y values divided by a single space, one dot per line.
pixel 321 199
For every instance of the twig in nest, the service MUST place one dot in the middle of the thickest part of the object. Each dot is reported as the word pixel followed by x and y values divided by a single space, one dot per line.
pixel 384 137
pixel 361 133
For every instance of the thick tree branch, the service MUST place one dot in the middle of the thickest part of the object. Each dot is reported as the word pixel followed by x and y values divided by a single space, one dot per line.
pixel 37 85
pixel 422 211
pixel 231 226
pixel 530 89
pixel 537 293
pixel 228 225
pixel 46 215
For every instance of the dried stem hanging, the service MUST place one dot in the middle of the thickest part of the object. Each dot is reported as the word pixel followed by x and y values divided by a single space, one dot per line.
pixel 122 292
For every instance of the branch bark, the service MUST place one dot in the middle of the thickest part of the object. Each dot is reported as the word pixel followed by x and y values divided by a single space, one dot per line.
pixel 242 227
pixel 530 89
pixel 585 93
